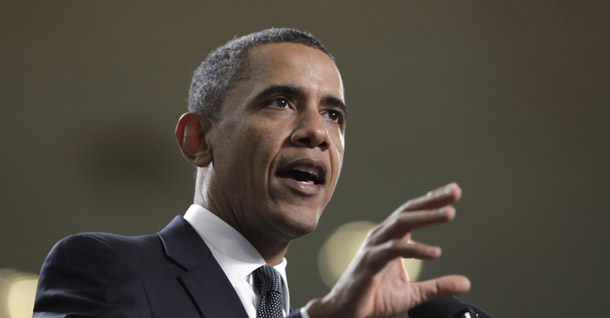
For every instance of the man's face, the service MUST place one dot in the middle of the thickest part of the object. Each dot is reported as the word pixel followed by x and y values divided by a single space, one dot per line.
pixel 278 145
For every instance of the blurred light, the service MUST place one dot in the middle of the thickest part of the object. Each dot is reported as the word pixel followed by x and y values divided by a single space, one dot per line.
pixel 18 290
pixel 343 245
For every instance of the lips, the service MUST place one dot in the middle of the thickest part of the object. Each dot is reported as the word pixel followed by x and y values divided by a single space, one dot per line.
pixel 305 170
pixel 305 176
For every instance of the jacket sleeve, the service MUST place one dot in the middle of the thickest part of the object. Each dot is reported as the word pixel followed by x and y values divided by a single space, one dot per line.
pixel 294 314
pixel 83 276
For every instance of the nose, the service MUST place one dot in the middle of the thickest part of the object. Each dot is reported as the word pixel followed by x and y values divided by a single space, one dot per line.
pixel 311 131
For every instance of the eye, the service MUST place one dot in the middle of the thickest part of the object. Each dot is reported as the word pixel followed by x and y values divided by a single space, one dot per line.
pixel 280 102
pixel 334 115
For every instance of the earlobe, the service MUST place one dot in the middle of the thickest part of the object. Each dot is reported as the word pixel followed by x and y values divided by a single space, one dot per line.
pixel 191 135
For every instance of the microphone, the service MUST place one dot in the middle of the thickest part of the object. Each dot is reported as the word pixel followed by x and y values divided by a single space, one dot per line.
pixel 448 307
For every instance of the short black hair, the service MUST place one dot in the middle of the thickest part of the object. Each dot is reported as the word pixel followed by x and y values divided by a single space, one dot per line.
pixel 225 65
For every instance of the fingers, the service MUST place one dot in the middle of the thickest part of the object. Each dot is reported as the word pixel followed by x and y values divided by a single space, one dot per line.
pixel 430 209
pixel 398 225
pixel 434 199
pixel 378 256
pixel 440 287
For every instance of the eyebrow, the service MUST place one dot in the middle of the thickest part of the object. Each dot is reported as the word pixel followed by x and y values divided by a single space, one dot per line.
pixel 287 90
pixel 293 91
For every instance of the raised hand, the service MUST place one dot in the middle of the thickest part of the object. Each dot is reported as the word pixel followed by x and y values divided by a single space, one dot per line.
pixel 376 284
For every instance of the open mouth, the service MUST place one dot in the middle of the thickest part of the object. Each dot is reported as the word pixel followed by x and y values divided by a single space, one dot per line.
pixel 302 176
pixel 305 170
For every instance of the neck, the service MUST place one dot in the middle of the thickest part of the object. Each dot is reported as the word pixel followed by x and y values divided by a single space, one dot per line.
pixel 273 253
pixel 268 245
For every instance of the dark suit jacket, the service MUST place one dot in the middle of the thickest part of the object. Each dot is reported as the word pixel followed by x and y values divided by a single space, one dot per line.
pixel 168 274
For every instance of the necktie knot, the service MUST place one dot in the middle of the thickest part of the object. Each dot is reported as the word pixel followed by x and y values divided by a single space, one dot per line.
pixel 267 282
pixel 266 279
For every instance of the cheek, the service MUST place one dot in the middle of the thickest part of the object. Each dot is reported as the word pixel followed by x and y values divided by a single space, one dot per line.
pixel 338 140
pixel 337 136
pixel 338 162
pixel 336 156
pixel 237 141
pixel 261 145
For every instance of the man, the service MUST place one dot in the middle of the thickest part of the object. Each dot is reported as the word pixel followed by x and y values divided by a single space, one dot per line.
pixel 265 131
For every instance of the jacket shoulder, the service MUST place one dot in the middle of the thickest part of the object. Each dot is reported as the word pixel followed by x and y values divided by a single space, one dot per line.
pixel 92 273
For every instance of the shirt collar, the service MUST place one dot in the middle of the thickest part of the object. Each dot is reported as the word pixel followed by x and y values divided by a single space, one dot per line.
pixel 233 252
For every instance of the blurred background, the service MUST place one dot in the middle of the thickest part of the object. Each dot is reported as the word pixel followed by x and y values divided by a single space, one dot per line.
pixel 511 99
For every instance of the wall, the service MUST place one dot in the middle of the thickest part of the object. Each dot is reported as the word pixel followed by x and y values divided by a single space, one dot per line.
pixel 508 98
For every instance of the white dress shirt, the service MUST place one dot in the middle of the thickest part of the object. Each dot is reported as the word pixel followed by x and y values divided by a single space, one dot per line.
pixel 235 255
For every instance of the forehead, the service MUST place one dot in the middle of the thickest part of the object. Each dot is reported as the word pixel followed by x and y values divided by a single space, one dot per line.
pixel 293 64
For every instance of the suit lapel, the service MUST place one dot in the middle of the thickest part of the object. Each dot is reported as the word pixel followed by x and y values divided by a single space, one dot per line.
pixel 203 279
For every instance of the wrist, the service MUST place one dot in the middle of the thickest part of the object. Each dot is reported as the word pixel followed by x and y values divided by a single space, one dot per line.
pixel 317 309
pixel 323 308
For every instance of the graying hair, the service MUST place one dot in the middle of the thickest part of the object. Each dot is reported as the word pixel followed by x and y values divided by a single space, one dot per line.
pixel 224 66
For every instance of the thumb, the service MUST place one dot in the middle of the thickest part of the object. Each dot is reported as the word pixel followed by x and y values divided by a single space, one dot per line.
pixel 440 287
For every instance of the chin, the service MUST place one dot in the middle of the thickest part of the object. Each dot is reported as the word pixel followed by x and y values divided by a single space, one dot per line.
pixel 299 222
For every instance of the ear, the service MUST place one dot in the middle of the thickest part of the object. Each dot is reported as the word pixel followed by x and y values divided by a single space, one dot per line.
pixel 191 133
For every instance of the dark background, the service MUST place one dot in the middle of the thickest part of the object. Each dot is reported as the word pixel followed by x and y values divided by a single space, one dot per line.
pixel 508 98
